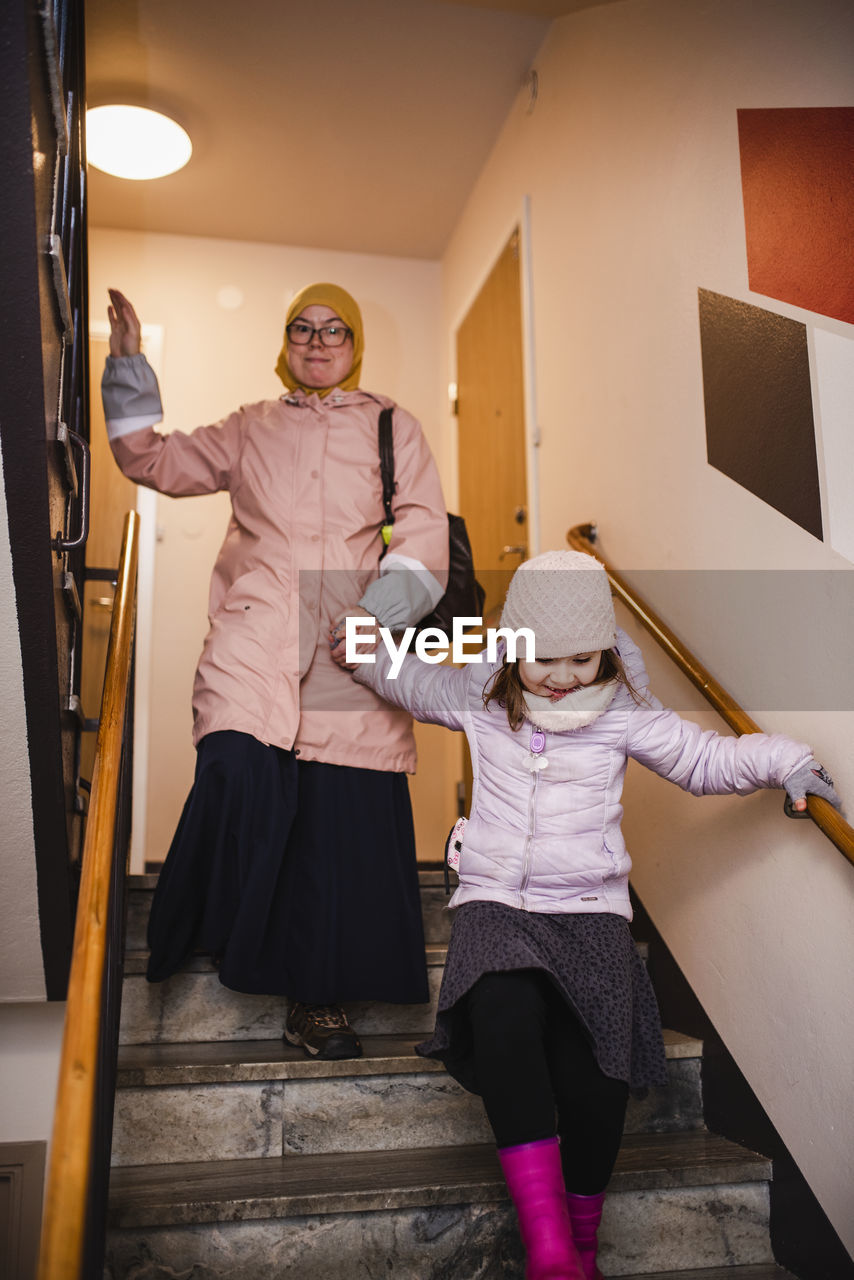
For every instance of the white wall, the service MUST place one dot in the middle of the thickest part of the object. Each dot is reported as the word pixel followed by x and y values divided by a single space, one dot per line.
pixel 217 355
pixel 30 1027
pixel 21 964
pixel 631 163
pixel 31 1036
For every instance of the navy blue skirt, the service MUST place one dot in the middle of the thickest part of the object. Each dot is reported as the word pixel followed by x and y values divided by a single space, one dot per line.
pixel 298 877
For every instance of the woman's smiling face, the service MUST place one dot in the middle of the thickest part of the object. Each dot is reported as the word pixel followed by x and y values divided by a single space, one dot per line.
pixel 556 678
pixel 314 365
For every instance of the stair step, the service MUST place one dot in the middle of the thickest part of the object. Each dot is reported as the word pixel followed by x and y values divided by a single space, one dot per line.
pixel 228 1190
pixel 136 961
pixel 763 1271
pixel 188 1102
pixel 436 917
pixel 678 1201
pixel 224 1061
pixel 428 878
pixel 434 902
pixel 195 1006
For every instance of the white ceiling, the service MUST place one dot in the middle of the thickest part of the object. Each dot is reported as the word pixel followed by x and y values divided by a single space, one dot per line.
pixel 358 125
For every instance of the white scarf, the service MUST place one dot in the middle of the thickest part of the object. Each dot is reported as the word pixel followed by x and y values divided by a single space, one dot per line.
pixel 585 706
pixel 572 712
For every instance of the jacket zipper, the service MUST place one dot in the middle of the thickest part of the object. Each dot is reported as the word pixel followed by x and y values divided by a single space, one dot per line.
pixel 532 817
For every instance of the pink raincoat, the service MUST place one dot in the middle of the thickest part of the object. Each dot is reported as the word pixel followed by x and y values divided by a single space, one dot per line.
pixel 302 545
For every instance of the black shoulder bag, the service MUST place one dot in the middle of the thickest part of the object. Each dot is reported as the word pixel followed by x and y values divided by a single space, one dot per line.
pixel 464 596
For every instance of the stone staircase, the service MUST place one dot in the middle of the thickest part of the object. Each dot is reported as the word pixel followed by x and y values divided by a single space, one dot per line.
pixel 236 1157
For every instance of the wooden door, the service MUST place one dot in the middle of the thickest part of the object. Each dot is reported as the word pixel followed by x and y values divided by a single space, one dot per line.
pixel 491 436
pixel 491 427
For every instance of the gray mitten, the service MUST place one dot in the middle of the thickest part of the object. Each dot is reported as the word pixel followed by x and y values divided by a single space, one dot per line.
pixel 810 779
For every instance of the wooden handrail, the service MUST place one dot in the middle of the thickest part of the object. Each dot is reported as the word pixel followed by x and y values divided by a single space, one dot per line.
pixel 582 537
pixel 63 1231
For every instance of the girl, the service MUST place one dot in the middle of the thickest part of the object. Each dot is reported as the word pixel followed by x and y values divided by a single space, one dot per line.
pixel 545 1009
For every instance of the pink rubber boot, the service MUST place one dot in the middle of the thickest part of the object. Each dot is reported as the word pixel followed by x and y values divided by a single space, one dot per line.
pixel 585 1214
pixel 535 1182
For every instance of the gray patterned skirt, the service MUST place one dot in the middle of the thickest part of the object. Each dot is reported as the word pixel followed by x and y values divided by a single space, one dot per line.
pixel 593 962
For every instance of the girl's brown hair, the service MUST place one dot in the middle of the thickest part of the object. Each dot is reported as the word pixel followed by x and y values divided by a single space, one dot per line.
pixel 505 686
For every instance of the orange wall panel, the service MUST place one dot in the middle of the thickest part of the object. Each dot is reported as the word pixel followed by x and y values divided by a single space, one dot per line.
pixel 797 176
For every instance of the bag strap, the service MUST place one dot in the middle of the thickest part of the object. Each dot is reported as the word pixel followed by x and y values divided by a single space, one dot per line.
pixel 386 448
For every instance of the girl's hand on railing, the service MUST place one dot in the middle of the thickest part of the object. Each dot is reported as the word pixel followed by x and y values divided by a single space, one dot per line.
pixel 810 779
pixel 826 813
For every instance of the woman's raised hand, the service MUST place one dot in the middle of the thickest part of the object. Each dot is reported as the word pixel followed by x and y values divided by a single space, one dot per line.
pixel 125 329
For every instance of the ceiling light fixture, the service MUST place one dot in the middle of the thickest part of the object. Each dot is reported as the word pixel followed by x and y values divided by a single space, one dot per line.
pixel 133 142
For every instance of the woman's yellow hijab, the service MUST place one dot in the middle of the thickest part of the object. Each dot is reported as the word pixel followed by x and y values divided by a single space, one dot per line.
pixel 325 295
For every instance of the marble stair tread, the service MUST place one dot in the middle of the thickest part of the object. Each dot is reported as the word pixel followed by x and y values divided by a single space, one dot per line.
pixel 225 1061
pixel 136 962
pixel 429 877
pixel 296 1185
pixel 753 1271
pixel 229 1061
pixel 679 1045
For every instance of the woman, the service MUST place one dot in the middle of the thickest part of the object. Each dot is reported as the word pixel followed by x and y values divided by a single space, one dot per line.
pixel 293 862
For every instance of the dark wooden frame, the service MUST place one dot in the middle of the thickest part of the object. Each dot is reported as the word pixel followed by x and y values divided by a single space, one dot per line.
pixel 44 380
pixel 22 1166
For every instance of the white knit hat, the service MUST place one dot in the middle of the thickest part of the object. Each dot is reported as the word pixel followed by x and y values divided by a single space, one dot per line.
pixel 565 599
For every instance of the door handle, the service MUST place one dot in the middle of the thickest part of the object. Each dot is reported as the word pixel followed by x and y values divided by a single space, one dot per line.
pixel 60 543
pixel 513 551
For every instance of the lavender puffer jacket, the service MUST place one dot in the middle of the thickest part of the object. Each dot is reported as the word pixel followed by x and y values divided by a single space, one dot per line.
pixel 550 840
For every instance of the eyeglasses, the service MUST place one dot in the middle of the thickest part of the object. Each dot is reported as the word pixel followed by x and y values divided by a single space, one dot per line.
pixel 331 335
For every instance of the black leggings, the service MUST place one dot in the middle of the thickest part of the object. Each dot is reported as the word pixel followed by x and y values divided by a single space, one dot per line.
pixel 536 1074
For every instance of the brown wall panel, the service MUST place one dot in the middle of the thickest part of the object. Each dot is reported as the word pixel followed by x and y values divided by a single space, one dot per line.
pixel 758 399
